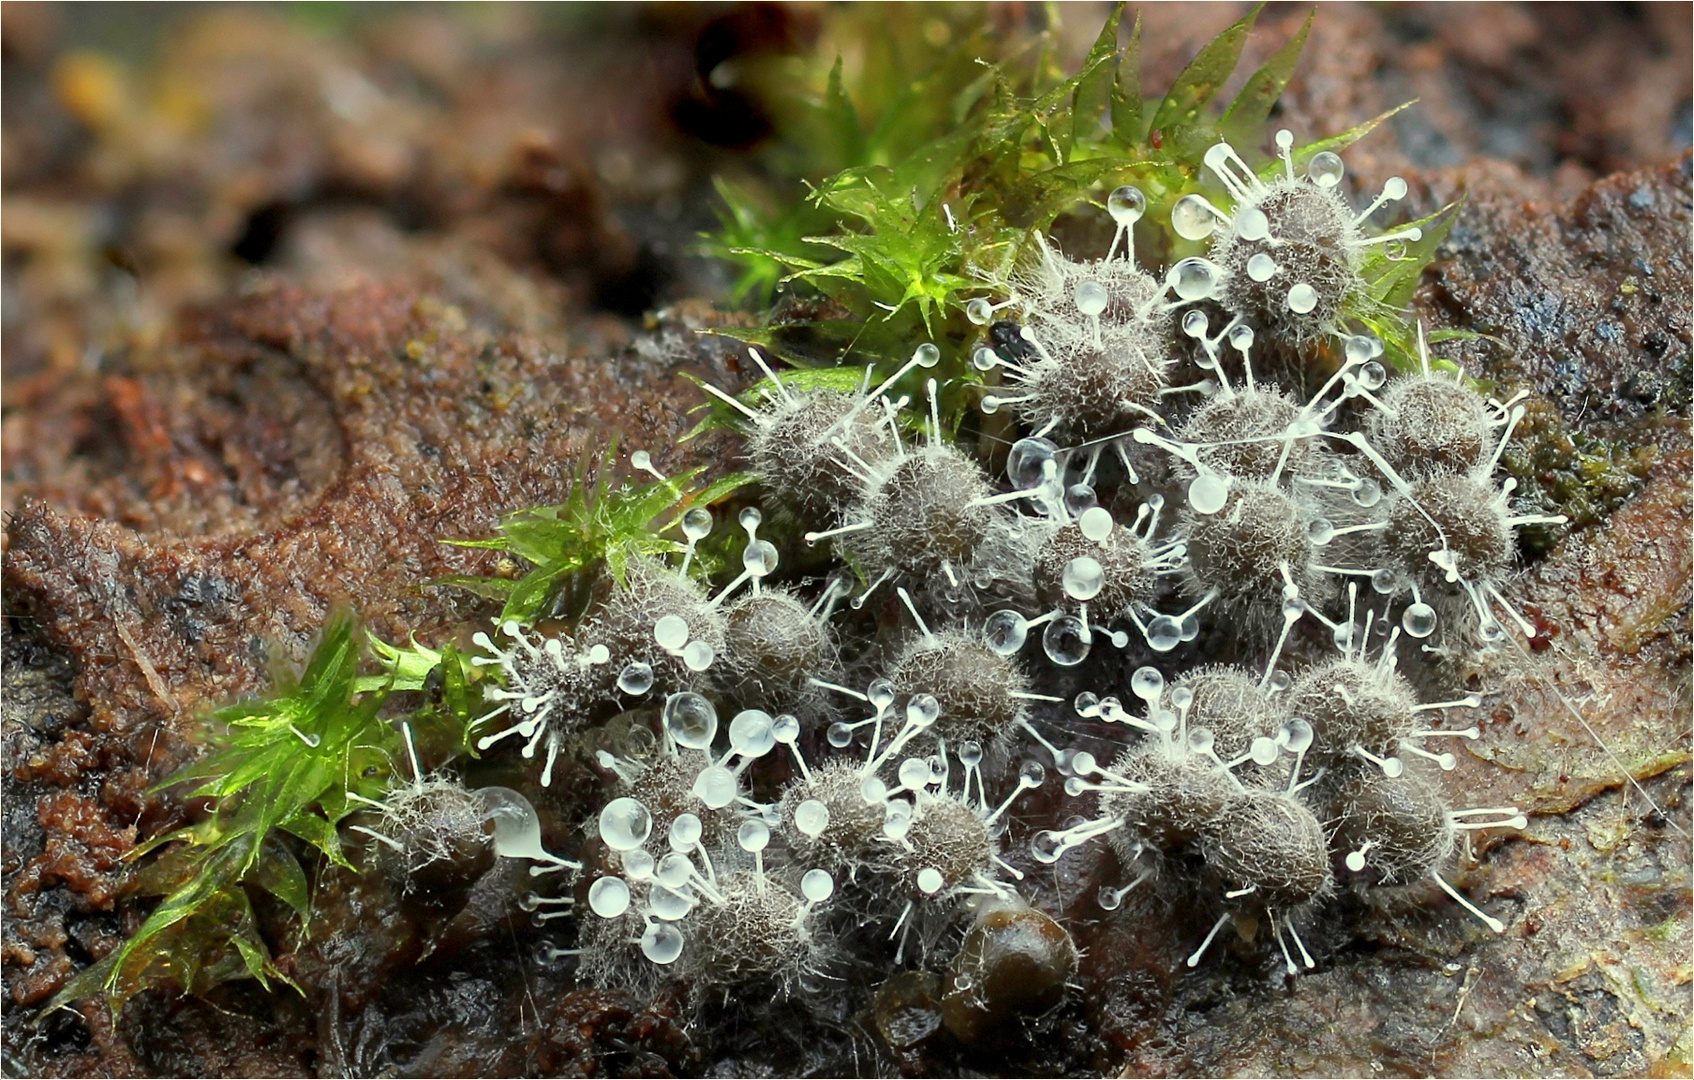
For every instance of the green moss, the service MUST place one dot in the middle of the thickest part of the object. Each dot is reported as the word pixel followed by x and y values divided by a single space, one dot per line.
pixel 1561 471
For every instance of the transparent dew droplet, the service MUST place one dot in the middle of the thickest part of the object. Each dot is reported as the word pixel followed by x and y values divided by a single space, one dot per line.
pixel 715 786
pixel 638 865
pixel 1074 786
pixel 1005 631
pixel 1241 338
pixel 1032 774
pixel 1126 204
pixel 923 710
pixel 661 943
pixel 914 773
pixel 817 886
pixel 1385 581
pixel 1195 323
pixel 1087 704
pixel 979 312
pixel 608 897
pixel 881 693
pixel 1164 634
pixel 1367 492
pixel 1193 279
pixel 1394 189
pixel 1281 680
pixel 760 558
pixel 874 791
pixel 839 735
pixel 1296 736
pixel 1320 531
pixel 1083 763
pixel 1026 462
pixel 751 517
pixel 1191 219
pixel 1419 620
pixel 1046 846
pixel 1079 497
pixel 671 632
pixel 1261 267
pixel 1208 492
pixel 1372 376
pixel 786 729
pixel 1251 223
pixel 1263 750
pixel 1096 523
pixel 1083 578
pixel 1200 740
pixel 625 824
pixel 985 358
pixel 990 404
pixel 970 753
pixel 930 881
pixel 926 355
pixel 636 677
pixel 1090 297
pixel 690 719
pixel 1147 683
pixel 1302 299
pixel 517 827
pixel 1325 169
pixel 1190 626
pixel 753 835
pixel 811 818
pixel 697 523
pixel 1064 642
pixel 1359 348
pixel 752 733
pixel 698 655
pixel 674 870
pixel 685 832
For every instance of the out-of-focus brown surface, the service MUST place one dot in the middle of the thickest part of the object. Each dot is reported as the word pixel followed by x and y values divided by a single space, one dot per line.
pixel 284 304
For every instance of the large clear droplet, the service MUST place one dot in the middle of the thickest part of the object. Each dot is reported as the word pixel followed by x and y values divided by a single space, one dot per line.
pixel 517 828
pixel 715 786
pixel 1195 324
pixel 1164 634
pixel 979 311
pixel 1261 267
pixel 1083 578
pixel 1241 338
pixel 839 735
pixel 668 904
pixel 1385 581
pixel 1419 620
pixel 1296 736
pixel 1147 683
pixel 661 943
pixel 1090 297
pixel 1064 641
pixel 1026 462
pixel 752 733
pixel 691 720
pixel 811 818
pixel 1359 348
pixel 625 824
pixel 1325 169
pixel 1192 219
pixel 638 865
pixel 1251 223
pixel 1200 740
pixel 1079 497
pixel 970 753
pixel 753 835
pixel 1208 492
pixel 1096 523
pixel 1087 704
pixel 985 358
pixel 926 355
pixel 923 710
pixel 1372 376
pixel 698 655
pixel 674 870
pixel 930 881
pixel 760 558
pixel 671 632
pixel 636 677
pixel 817 886
pixel 785 728
pixel 1320 531
pixel 1005 632
pixel 1394 189
pixel 1263 750
pixel 1302 299
pixel 1367 492
pixel 913 773
pixel 697 523
pixel 1126 204
pixel 608 897
pixel 1193 279
pixel 685 832
pixel 881 693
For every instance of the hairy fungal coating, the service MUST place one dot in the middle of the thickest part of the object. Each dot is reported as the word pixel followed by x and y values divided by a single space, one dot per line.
pixel 1244 549
pixel 652 591
pixel 664 784
pixel 755 932
pixel 1431 426
pixel 1129 579
pixel 1250 423
pixel 1354 703
pixel 1398 825
pixel 1092 394
pixel 773 648
pixel 795 452
pixel 1457 513
pixel 927 516
pixel 1227 702
pixel 1272 844
pixel 853 830
pixel 973 685
pixel 441 839
pixel 1312 241
pixel 948 836
pixel 1184 793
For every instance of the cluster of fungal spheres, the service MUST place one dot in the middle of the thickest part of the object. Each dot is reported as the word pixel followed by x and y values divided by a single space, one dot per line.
pixel 1202 618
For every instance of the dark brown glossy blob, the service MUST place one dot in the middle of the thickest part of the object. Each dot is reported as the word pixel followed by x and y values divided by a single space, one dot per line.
pixel 1013 965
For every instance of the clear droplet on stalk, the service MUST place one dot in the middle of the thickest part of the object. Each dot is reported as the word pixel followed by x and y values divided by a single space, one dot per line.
pixel 1064 641
pixel 625 824
pixel 1096 523
pixel 608 897
pixel 1320 531
pixel 1208 492
pixel 661 943
pixel 697 523
pixel 1302 299
pixel 985 358
pixel 979 311
pixel 927 355
pixel 691 720
pixel 1251 223
pixel 1325 169
pixel 1090 297
pixel 1005 632
pixel 754 835
pixel 636 677
pixel 1261 267
pixel 671 632
pixel 698 655
pixel 811 818
pixel 1419 620
pixel 923 710
pixel 1164 634
pixel 1126 204
pixel 1191 219
pixel 685 832
pixel 1083 578
pixel 817 886
pixel 1026 462
pixel 752 733
pixel 715 786
pixel 1193 279
pixel 1367 492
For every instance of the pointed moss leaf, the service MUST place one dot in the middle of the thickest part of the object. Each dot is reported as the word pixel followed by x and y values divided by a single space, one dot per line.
pixel 1252 106
pixel 1094 83
pixel 256 960
pixel 841 120
pixel 278 873
pixel 1126 92
pixel 407 667
pixel 1400 277
pixel 1337 143
pixel 1204 76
